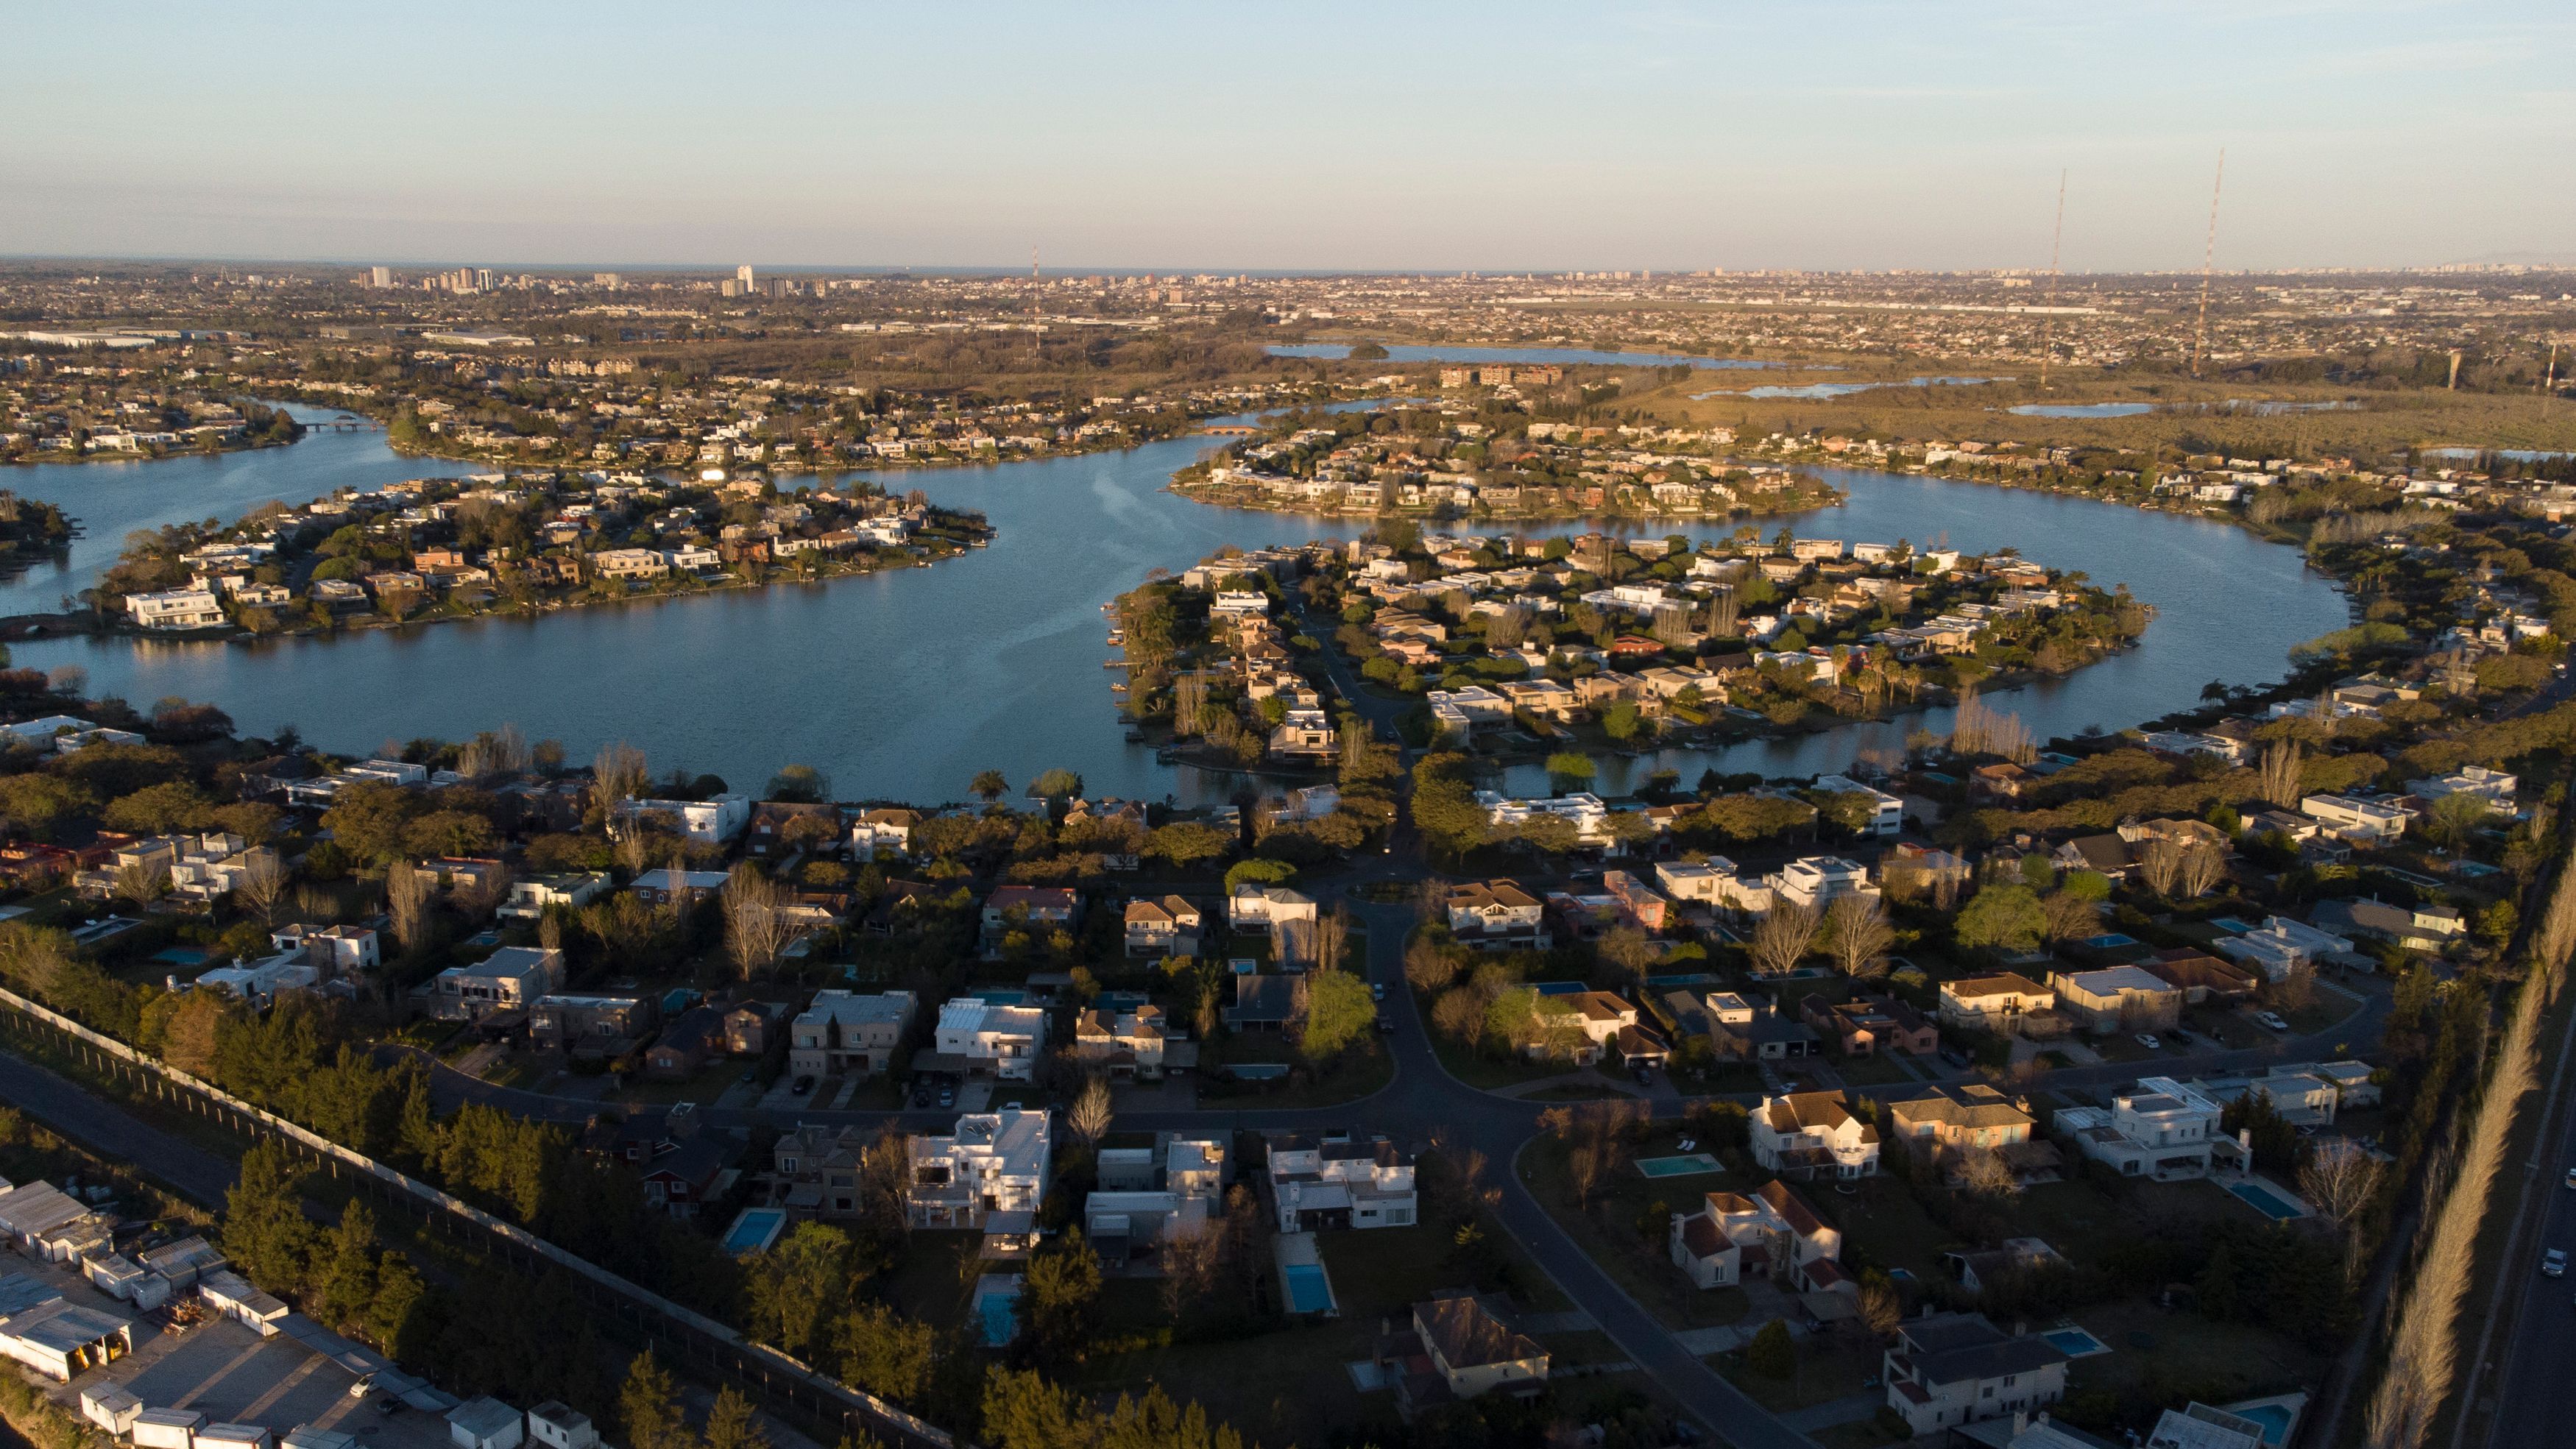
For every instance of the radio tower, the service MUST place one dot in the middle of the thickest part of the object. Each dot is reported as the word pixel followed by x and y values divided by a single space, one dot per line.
pixel 2200 334
pixel 2048 319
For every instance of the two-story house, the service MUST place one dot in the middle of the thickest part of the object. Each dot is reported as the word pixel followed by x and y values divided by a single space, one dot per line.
pixel 849 1033
pixel 983 1037
pixel 1771 1234
pixel 1993 1003
pixel 1162 927
pixel 2161 1129
pixel 1336 1181
pixel 510 979
pixel 1956 1368
pixel 1457 1348
pixel 1808 1135
pixel 1497 915
pixel 991 1162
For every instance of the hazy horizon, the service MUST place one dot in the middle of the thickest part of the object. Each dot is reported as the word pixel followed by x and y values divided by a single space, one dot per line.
pixel 1853 137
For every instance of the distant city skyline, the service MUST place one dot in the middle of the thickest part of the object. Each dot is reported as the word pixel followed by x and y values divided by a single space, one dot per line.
pixel 1501 139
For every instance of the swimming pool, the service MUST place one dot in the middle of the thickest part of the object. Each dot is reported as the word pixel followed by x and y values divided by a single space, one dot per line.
pixel 2230 925
pixel 2275 1419
pixel 754 1229
pixel 996 1308
pixel 1308 1290
pixel 2110 941
pixel 1004 998
pixel 1560 988
pixel 1688 1164
pixel 2267 1202
pixel 2076 1342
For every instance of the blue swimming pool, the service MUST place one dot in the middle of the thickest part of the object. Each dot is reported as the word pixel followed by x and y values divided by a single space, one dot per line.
pixel 2076 1342
pixel 2276 1420
pixel 1689 1164
pixel 1308 1290
pixel 1560 988
pixel 754 1230
pixel 2110 941
pixel 996 1308
pixel 2267 1202
pixel 2230 925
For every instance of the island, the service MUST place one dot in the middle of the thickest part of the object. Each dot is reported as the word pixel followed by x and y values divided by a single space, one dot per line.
pixel 448 548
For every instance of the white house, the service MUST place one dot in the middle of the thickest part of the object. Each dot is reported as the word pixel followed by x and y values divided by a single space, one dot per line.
pixel 711 821
pixel 1770 1234
pixel 191 608
pixel 2160 1129
pixel 1950 1369
pixel 1003 1040
pixel 1497 915
pixel 2355 820
pixel 533 897
pixel 1887 812
pixel 2281 945
pixel 991 1162
pixel 1807 1135
pixel 2496 787
pixel 1817 881
pixel 1337 1181
pixel 510 979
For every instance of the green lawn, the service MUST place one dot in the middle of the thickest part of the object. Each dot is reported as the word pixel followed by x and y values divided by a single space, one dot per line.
pixel 1478 1069
pixel 1830 1366
pixel 2186 1356
pixel 1363 1068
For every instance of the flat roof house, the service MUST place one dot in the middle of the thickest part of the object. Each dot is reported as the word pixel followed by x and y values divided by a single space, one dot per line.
pixel 2118 998
pixel 990 1162
pixel 2160 1129
pixel 510 979
pixel 1004 1041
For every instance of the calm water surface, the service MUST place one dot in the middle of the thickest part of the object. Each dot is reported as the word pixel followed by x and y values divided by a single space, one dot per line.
pixel 1569 356
pixel 904 684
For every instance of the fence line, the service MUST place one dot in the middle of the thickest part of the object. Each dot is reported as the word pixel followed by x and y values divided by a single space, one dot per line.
pixel 780 1380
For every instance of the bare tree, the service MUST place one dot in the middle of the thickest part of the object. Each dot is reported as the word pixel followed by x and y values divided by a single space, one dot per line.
pixel 1088 1117
pixel 550 930
pixel 408 893
pixel 616 776
pixel 1983 1171
pixel 1332 939
pixel 1786 933
pixel 2203 865
pixel 2278 776
pixel 262 885
pixel 1857 935
pixel 1880 1309
pixel 2160 864
pixel 2065 916
pixel 143 882
pixel 2339 1179
pixel 756 924
pixel 1627 948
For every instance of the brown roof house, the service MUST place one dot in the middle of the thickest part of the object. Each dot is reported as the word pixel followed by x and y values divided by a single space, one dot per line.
pixel 1808 1135
pixel 1458 1348
pixel 1770 1234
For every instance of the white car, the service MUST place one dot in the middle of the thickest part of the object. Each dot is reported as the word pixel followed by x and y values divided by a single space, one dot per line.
pixel 2553 1264
pixel 2272 1020
pixel 2148 1040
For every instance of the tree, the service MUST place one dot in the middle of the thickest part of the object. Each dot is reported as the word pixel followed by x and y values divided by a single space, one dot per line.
pixel 2001 918
pixel 2160 865
pixel 989 786
pixel 347 1267
pixel 2340 1178
pixel 1771 1354
pixel 1186 842
pixel 265 1232
pixel 263 884
pixel 143 882
pixel 791 1287
pixel 617 775
pixel 2067 916
pixel 1339 1011
pixel 1628 949
pixel 1062 1291
pixel 1056 785
pixel 2203 865
pixel 1088 1118
pixel 649 1406
pixel 408 893
pixel 2457 816
pixel 1881 1310
pixel 2278 776
pixel 886 1353
pixel 1983 1171
pixel 800 785
pixel 367 818
pixel 731 1424
pixel 756 923
pixel 1857 934
pixel 1785 934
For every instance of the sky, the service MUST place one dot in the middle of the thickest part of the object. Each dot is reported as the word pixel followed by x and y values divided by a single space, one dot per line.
pixel 1495 136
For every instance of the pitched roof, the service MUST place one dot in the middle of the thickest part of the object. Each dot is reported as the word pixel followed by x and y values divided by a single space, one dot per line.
pixel 1466 1335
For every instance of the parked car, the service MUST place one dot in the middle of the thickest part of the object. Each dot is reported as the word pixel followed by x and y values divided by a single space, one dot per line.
pixel 801 1086
pixel 1377 991
pixel 921 1096
pixel 360 1389
pixel 2553 1263
pixel 948 1096
pixel 1955 1057
pixel 2149 1040
pixel 2272 1020
pixel 1386 1024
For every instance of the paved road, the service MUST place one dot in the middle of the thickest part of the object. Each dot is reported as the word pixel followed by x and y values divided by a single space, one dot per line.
pixel 107 1130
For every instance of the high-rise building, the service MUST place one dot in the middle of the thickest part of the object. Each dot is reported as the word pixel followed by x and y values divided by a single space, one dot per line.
pixel 482 279
pixel 380 276
pixel 610 280
pixel 742 274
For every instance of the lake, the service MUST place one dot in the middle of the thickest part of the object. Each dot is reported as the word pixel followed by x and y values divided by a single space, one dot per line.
pixel 1816 391
pixel 904 684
